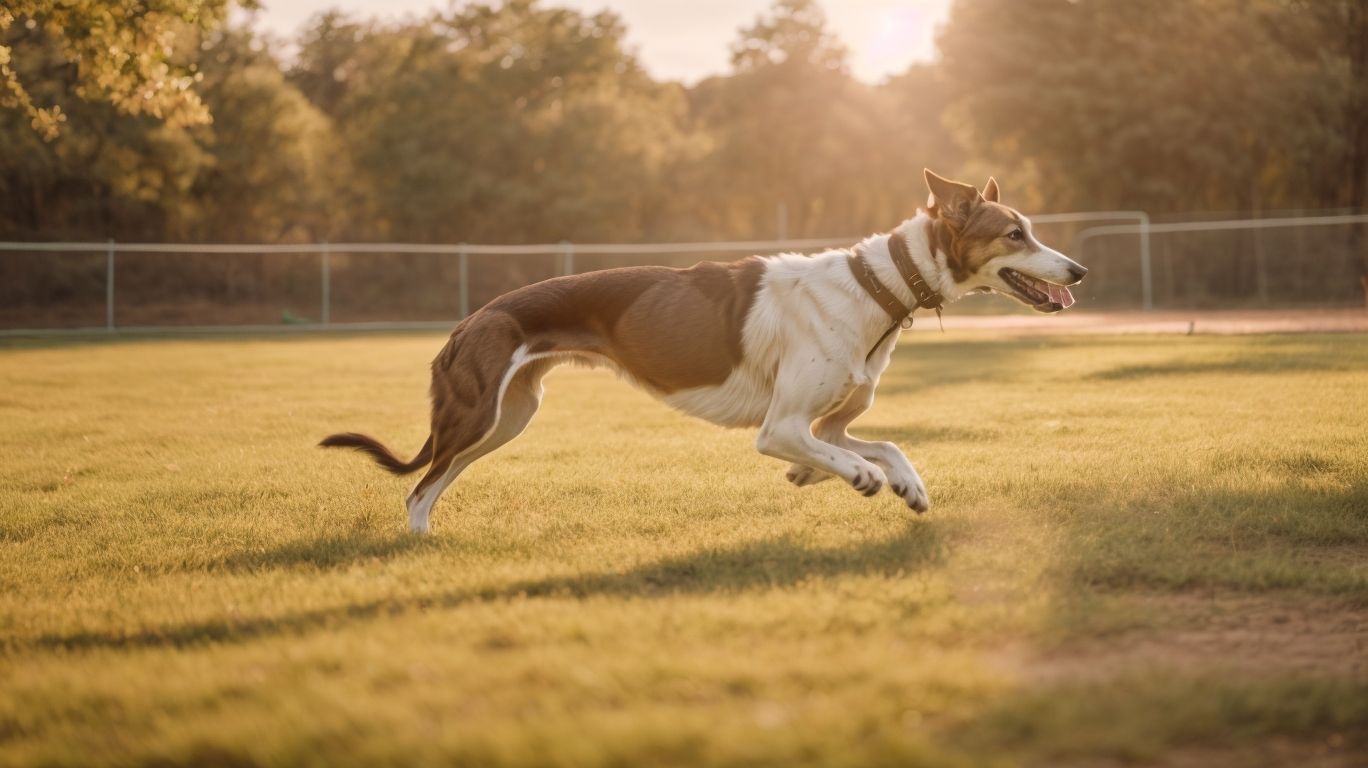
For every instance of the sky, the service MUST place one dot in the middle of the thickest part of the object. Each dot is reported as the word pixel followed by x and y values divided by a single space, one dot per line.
pixel 688 39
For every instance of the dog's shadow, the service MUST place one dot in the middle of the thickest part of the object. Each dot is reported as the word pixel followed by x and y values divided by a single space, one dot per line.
pixel 768 563
pixel 325 552
pixel 765 564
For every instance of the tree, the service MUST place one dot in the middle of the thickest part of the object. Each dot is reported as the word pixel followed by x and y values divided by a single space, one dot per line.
pixel 791 133
pixel 507 123
pixel 795 31
pixel 917 137
pixel 1163 105
pixel 124 53
pixel 274 160
pixel 261 171
pixel 1341 39
pixel 106 173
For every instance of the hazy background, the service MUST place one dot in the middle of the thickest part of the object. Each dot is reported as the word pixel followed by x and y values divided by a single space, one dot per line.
pixel 641 121
pixel 686 40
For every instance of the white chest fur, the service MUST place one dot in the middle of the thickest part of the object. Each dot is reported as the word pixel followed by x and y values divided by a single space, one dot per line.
pixel 803 310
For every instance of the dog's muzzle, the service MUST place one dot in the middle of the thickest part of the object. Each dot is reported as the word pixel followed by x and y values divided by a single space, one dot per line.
pixel 1043 296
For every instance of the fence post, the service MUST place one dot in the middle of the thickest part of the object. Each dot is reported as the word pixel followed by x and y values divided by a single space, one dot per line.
pixel 1300 253
pixel 463 265
pixel 109 286
pixel 1261 267
pixel 326 285
pixel 568 256
pixel 1146 270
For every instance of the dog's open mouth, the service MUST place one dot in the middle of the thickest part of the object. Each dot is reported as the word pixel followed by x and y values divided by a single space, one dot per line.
pixel 1042 296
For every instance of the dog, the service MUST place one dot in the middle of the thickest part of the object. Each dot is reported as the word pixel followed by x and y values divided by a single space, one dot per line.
pixel 791 344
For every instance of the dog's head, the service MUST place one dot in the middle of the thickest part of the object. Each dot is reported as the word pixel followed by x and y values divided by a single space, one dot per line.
pixel 989 247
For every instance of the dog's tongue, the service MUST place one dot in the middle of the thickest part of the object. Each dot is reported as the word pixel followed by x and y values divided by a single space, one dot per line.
pixel 1061 296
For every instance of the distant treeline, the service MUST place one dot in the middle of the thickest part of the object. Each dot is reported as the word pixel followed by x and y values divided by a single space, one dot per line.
pixel 525 122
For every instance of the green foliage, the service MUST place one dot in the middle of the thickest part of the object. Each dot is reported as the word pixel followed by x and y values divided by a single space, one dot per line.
pixel 122 52
pixel 276 160
pixel 796 31
pixel 784 129
pixel 262 170
pixel 490 123
pixel 522 121
pixel 1168 105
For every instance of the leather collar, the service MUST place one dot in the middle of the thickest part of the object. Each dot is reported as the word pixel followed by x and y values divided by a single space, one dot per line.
pixel 864 275
pixel 926 297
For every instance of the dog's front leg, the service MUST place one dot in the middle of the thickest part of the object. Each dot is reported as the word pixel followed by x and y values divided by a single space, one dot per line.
pixel 902 476
pixel 801 394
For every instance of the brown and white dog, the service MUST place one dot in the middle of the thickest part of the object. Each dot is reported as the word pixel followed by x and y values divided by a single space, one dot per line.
pixel 791 344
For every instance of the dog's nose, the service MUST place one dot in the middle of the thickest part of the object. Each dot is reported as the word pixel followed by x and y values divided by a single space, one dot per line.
pixel 1078 271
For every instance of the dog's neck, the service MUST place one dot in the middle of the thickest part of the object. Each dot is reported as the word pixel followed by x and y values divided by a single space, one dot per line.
pixel 930 262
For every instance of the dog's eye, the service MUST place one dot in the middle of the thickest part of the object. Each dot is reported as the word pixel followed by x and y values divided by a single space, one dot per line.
pixel 1017 235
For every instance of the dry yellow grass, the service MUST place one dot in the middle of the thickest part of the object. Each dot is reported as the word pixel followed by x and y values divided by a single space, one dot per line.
pixel 1139 548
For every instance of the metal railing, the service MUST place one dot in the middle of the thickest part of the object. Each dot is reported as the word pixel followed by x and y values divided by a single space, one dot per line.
pixel 1146 230
pixel 1142 227
pixel 565 251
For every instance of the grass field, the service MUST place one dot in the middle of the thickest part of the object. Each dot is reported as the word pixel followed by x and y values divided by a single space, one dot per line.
pixel 1140 550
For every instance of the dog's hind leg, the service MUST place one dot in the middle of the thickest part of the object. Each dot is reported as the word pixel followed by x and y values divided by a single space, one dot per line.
pixel 802 475
pixel 520 399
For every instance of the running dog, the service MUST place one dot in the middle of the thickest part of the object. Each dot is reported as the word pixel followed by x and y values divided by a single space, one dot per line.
pixel 792 344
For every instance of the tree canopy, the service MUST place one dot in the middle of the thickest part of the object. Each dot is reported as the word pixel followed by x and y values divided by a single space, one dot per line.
pixel 121 52
pixel 522 121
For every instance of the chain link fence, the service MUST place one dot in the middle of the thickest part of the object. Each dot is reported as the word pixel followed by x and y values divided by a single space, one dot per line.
pixel 1299 261
pixel 1283 261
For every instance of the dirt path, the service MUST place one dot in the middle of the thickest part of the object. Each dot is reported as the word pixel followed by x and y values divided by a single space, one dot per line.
pixel 1257 635
pixel 1180 322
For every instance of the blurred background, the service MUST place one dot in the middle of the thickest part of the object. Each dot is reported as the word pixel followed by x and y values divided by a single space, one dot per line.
pixel 1196 154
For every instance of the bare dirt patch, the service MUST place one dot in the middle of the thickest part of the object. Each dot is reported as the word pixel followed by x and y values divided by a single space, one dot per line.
pixel 1333 752
pixel 1218 322
pixel 1259 635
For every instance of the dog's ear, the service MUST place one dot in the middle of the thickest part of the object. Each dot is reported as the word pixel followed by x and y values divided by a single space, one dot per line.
pixel 990 190
pixel 950 200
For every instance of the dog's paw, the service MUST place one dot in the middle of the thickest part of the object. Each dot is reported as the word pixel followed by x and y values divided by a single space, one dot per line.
pixel 803 475
pixel 912 492
pixel 868 480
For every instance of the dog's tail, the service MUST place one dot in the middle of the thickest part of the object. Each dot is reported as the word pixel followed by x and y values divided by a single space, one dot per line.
pixel 382 455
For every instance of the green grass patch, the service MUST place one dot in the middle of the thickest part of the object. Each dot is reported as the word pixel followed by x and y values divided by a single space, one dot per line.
pixel 185 579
